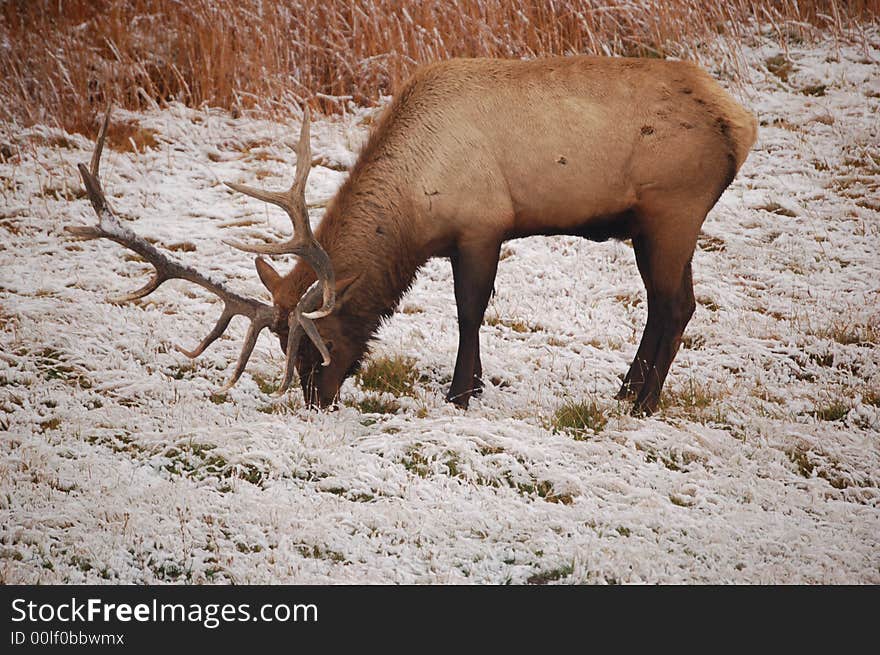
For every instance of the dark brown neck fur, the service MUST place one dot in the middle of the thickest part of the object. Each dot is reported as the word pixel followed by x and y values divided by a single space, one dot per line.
pixel 367 233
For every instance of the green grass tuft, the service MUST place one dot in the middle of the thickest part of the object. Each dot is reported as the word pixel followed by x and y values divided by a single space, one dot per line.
pixel 779 66
pixel 396 375
pixel 833 410
pixel 580 419
pixel 852 332
pixel 51 424
pixel 54 366
pixel 801 459
pixel 318 552
pixel 265 386
pixel 776 208
pixel 543 577
pixel 375 404
pixel 814 90
pixel 693 401
pixel 516 324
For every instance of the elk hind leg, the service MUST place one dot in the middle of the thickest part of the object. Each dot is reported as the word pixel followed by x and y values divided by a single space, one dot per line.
pixel 635 378
pixel 673 299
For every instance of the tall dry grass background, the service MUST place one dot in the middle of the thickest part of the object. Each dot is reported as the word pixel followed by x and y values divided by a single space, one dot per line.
pixel 63 60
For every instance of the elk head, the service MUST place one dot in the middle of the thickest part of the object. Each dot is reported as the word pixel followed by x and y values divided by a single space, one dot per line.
pixel 340 333
pixel 289 320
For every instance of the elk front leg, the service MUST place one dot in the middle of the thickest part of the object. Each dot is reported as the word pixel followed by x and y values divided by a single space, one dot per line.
pixel 473 271
pixel 478 371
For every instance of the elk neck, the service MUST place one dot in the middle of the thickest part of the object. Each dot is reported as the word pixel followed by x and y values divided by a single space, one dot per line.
pixel 369 234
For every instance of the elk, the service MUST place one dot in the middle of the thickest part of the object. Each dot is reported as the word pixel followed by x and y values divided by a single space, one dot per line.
pixel 469 154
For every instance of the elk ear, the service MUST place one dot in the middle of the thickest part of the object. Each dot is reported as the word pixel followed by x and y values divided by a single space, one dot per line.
pixel 344 288
pixel 268 275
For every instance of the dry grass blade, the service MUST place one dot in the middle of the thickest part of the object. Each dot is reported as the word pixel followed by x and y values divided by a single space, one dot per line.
pixel 65 60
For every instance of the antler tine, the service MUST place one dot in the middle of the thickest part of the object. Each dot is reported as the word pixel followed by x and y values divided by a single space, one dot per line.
pixel 257 325
pixel 293 201
pixel 213 335
pixel 167 268
pixel 299 324
pixel 99 145
pixel 303 159
pixel 154 283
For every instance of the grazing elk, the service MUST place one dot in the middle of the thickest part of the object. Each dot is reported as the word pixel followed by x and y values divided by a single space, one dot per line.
pixel 473 152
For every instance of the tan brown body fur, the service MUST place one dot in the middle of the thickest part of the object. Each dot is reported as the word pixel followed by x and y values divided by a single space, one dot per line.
pixel 473 152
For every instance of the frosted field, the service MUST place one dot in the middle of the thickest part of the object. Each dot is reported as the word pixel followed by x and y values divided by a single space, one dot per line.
pixel 119 465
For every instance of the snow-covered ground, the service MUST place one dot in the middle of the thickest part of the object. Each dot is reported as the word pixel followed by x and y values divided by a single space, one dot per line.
pixel 119 465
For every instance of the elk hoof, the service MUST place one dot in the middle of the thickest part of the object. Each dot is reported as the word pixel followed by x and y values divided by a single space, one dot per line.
pixel 478 385
pixel 645 406
pixel 639 412
pixel 625 393
pixel 460 400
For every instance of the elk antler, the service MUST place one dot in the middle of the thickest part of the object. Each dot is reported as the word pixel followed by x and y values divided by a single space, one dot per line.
pixel 302 243
pixel 109 227
pixel 299 324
